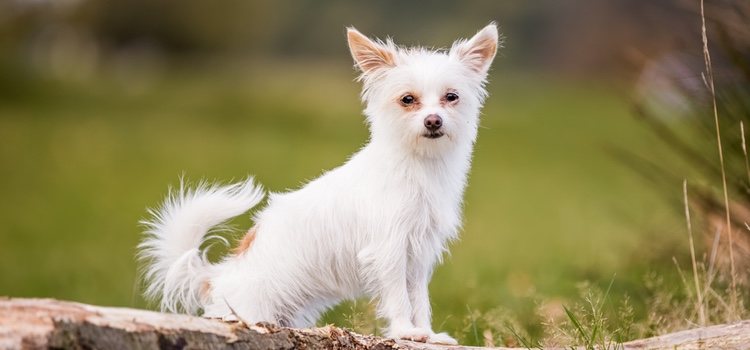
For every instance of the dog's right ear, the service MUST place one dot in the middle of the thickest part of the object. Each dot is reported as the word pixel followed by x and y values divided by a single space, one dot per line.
pixel 478 52
pixel 369 55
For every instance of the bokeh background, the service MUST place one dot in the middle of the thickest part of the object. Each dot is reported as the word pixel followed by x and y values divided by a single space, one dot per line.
pixel 104 104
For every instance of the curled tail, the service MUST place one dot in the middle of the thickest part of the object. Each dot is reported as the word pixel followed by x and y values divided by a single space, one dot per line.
pixel 176 270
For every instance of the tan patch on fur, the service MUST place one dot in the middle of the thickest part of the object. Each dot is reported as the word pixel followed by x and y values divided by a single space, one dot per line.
pixel 246 242
pixel 205 291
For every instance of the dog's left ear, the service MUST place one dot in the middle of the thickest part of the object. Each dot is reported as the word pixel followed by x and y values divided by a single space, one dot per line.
pixel 369 55
pixel 478 52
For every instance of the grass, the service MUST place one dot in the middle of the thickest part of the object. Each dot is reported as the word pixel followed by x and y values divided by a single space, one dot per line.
pixel 708 78
pixel 546 206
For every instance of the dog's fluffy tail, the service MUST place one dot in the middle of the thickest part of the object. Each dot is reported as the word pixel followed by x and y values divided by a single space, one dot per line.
pixel 176 271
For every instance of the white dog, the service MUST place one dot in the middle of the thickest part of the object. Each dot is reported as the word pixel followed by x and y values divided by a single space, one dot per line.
pixel 374 226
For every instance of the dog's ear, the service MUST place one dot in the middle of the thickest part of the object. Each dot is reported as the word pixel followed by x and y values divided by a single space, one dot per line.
pixel 479 51
pixel 369 55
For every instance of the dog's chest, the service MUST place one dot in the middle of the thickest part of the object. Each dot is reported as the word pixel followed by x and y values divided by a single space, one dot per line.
pixel 409 197
pixel 424 209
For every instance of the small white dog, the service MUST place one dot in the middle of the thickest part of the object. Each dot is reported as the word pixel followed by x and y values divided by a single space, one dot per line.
pixel 375 226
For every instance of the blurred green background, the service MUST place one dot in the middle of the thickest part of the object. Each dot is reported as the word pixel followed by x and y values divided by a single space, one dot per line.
pixel 104 104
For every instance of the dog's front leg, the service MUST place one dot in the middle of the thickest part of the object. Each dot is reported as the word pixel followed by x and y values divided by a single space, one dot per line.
pixel 385 270
pixel 419 279
pixel 420 275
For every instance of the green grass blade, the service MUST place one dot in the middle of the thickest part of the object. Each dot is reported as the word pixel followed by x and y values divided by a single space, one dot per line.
pixel 577 325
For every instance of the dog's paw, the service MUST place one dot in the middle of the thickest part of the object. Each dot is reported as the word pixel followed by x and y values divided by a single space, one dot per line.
pixel 414 334
pixel 442 338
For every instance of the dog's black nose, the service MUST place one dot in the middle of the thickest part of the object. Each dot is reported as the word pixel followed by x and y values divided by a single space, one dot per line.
pixel 433 122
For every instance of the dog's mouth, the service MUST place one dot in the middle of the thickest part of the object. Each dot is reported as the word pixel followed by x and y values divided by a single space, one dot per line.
pixel 433 134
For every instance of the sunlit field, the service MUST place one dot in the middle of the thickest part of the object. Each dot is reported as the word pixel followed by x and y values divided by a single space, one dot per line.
pixel 548 205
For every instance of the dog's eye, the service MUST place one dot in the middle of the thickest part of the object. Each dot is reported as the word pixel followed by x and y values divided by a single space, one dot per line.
pixel 450 97
pixel 408 99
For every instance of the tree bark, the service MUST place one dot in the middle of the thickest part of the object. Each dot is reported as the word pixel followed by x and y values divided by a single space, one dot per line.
pixel 47 323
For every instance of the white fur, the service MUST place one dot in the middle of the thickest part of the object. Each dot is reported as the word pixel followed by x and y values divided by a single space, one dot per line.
pixel 375 226
pixel 176 232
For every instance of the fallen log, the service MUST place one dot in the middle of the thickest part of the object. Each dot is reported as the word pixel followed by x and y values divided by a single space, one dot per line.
pixel 47 323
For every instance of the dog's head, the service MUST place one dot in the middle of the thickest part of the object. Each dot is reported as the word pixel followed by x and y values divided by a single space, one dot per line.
pixel 425 100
